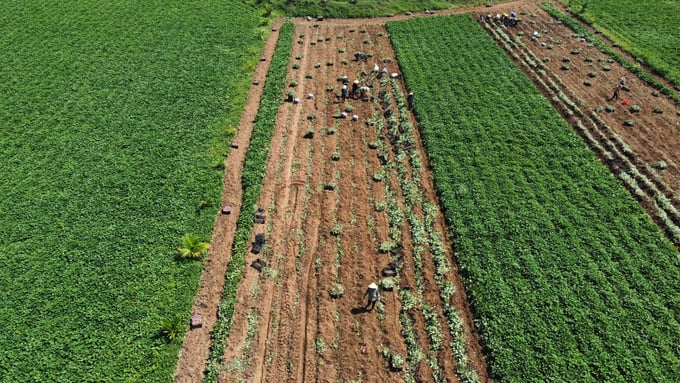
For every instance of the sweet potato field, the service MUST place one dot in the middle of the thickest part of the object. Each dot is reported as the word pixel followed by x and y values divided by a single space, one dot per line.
pixel 568 277
pixel 520 221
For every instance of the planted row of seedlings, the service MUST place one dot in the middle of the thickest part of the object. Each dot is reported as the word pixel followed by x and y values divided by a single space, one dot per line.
pixel 427 246
pixel 425 233
pixel 643 184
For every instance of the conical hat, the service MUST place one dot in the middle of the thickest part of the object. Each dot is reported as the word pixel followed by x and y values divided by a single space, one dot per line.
pixel 373 286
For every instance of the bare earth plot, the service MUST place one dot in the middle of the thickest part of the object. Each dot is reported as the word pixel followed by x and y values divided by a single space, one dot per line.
pixel 331 205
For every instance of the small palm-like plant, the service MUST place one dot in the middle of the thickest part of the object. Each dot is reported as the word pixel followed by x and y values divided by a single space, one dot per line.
pixel 192 247
pixel 171 327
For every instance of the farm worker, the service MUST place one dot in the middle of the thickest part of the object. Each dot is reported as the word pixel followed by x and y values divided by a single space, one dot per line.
pixel 345 80
pixel 364 92
pixel 617 90
pixel 376 68
pixel 343 92
pixel 384 70
pixel 409 100
pixel 513 14
pixel 355 86
pixel 372 294
pixel 622 83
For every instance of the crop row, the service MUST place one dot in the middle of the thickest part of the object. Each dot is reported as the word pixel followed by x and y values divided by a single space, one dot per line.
pixel 567 277
pixel 252 176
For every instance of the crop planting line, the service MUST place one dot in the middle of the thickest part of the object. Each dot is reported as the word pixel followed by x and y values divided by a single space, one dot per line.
pixel 397 222
pixel 431 238
pixel 642 180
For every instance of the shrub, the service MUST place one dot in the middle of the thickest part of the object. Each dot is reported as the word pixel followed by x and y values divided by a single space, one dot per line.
pixel 587 83
pixel 172 327
pixel 377 177
pixel 564 67
pixel 635 109
pixel 592 74
pixel 335 156
pixel 396 362
pixel 660 165
pixel 629 123
pixel 309 75
pixel 329 63
pixel 337 229
pixel 296 66
pixel 657 110
pixel 380 206
pixel 387 284
pixel 293 84
pixel 566 60
pixel 317 65
pixel 610 108
pixel 606 68
pixel 336 291
pixel 588 59
pixel 387 246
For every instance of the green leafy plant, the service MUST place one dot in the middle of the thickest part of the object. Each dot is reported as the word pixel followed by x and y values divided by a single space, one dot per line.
pixel 172 327
pixel 192 247
pixel 336 291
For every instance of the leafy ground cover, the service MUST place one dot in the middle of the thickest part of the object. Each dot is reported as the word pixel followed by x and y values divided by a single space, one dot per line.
pixel 114 122
pixel 648 30
pixel 568 278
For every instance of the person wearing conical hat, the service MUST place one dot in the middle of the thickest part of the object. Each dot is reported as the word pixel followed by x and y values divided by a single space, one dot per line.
pixel 373 296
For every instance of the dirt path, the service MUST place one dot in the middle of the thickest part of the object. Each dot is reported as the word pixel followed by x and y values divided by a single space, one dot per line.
pixel 197 342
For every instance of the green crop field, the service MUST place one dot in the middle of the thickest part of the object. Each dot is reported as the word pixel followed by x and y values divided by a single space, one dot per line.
pixel 649 30
pixel 114 122
pixel 568 278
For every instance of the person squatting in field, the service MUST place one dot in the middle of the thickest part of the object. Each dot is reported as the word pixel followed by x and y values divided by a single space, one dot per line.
pixel 373 296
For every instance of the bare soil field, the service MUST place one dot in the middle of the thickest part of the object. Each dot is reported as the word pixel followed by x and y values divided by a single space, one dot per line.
pixel 324 227
pixel 329 220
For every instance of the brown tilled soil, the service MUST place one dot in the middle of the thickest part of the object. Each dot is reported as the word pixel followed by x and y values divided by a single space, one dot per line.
pixel 285 326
